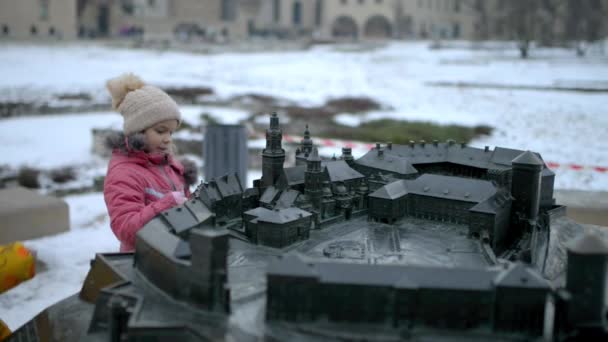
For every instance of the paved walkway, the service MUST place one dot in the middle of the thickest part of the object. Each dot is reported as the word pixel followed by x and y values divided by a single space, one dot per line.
pixel 584 206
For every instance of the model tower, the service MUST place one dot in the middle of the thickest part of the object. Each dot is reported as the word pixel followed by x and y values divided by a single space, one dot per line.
pixel 525 187
pixel 273 156
pixel 586 281
pixel 305 148
pixel 312 179
pixel 209 269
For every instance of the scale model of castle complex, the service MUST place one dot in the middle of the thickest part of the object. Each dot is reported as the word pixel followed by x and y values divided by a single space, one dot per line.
pixel 424 241
pixel 499 194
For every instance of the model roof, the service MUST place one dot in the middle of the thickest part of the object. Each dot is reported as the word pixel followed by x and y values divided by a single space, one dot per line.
pixel 339 170
pixel 287 198
pixel 293 175
pixel 269 195
pixel 528 158
pixel 520 275
pixel 279 216
pixel 358 274
pixel 229 185
pixel 314 155
pixel 492 204
pixel 395 275
pixel 392 190
pixel 504 156
pixel 449 187
pixel 387 162
pixel 292 265
pixel 588 244
pixel 428 153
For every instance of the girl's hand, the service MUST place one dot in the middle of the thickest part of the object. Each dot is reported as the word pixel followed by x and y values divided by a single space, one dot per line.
pixel 179 197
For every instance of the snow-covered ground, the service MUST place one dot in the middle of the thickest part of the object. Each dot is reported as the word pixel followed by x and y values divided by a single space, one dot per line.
pixel 565 127
pixel 66 258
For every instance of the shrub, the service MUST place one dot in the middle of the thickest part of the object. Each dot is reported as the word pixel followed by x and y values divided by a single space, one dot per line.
pixel 401 132
pixel 28 177
pixel 62 175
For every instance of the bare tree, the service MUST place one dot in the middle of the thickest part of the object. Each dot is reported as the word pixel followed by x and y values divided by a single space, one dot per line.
pixel 521 19
pixel 585 23
pixel 550 21
pixel 481 10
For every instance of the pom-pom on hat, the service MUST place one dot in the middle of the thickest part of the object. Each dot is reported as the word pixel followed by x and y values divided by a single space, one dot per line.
pixel 141 105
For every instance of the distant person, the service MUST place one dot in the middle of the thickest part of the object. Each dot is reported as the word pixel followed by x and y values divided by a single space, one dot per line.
pixel 143 178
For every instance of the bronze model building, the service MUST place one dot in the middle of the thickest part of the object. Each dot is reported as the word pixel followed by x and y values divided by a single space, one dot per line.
pixel 424 241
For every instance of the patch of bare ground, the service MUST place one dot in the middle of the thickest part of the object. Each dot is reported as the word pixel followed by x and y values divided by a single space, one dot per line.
pixel 320 121
pixel 352 105
pixel 319 118
pixel 75 96
pixel 10 109
pixel 188 94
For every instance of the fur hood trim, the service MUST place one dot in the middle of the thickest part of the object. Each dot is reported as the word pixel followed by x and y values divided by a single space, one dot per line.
pixel 137 143
pixel 117 141
pixel 190 171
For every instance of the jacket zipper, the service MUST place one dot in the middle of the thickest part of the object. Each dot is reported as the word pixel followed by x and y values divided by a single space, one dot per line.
pixel 167 177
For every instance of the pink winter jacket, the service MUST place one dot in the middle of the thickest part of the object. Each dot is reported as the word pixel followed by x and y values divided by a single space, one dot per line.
pixel 137 187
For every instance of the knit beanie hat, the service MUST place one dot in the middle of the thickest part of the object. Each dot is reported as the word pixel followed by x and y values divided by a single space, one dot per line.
pixel 141 105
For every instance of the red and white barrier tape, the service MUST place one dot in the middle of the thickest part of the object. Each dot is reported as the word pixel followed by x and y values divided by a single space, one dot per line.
pixel 577 167
pixel 367 146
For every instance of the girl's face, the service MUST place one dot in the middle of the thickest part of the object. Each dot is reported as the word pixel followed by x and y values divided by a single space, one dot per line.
pixel 158 137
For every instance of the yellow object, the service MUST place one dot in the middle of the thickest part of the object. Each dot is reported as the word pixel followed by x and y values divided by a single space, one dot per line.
pixel 17 264
pixel 4 331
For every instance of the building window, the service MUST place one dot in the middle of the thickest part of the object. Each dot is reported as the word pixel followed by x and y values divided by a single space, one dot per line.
pixel 128 7
pixel 5 30
pixel 276 11
pixel 44 9
pixel 344 2
pixel 297 13
pixel 318 14
pixel 51 31
pixel 228 10
pixel 151 3
pixel 33 30
pixel 456 30
pixel 361 2
pixel 456 5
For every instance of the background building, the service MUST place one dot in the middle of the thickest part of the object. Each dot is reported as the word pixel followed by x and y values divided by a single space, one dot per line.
pixel 550 22
pixel 38 19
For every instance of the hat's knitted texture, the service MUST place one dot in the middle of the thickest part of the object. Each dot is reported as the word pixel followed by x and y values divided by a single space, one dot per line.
pixel 141 106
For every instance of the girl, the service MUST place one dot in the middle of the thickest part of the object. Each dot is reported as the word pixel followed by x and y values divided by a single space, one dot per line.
pixel 143 178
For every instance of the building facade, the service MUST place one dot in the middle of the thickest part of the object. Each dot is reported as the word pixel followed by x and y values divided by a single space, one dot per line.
pixel 212 20
pixel 407 296
pixel 38 19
